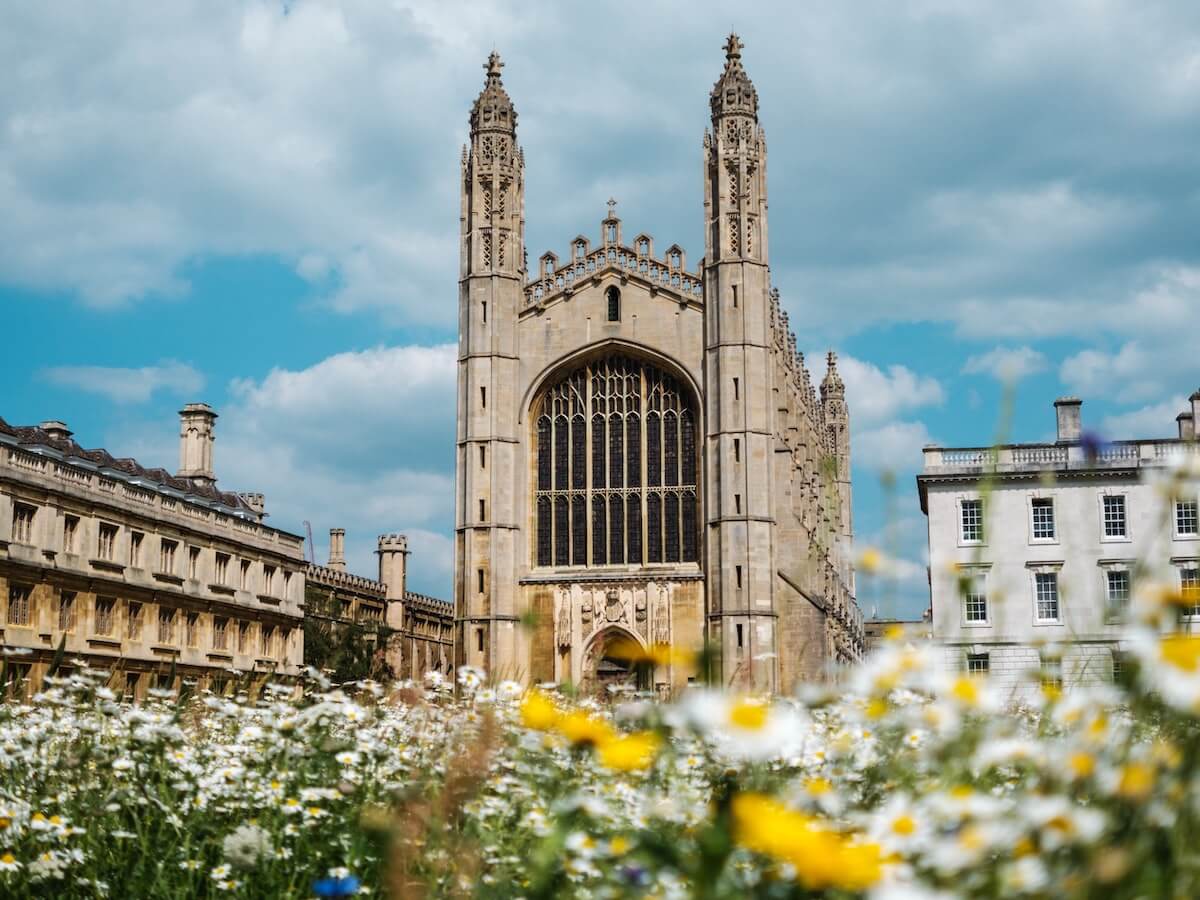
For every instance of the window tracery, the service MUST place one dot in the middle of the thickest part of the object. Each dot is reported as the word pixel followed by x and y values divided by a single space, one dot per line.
pixel 615 463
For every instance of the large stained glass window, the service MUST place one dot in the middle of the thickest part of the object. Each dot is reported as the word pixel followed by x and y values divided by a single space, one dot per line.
pixel 619 438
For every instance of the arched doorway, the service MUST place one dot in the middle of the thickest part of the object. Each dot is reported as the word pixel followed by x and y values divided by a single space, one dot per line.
pixel 608 668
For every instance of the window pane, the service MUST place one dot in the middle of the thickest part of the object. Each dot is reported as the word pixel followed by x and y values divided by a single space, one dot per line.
pixel 598 480
pixel 972 520
pixel 654 528
pixel 578 452
pixel 616 531
pixel 578 531
pixel 599 535
pixel 616 453
pixel 561 532
pixel 633 429
pixel 1043 518
pixel 671 522
pixel 560 453
pixel 671 449
pixel 543 531
pixel 653 450
pixel 689 528
pixel 633 509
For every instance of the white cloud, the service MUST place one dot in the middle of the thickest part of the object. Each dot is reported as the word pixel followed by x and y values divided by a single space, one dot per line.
pixel 1153 421
pixel 327 136
pixel 123 385
pixel 1128 375
pixel 362 441
pixel 893 447
pixel 875 395
pixel 1006 364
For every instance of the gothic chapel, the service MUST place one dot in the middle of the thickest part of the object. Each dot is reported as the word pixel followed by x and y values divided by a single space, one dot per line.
pixel 641 454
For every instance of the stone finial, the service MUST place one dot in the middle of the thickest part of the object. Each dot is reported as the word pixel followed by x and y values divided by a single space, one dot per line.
pixel 734 93
pixel 493 66
pixel 832 384
pixel 493 110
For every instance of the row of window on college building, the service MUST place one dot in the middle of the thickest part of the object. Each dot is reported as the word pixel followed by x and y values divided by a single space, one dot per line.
pixel 1114 520
pixel 174 628
pixel 1051 669
pixel 25 515
pixel 1114 525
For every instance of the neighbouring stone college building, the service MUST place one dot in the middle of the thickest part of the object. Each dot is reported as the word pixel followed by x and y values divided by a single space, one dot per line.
pixel 139 569
pixel 1036 546
pixel 641 451
pixel 419 629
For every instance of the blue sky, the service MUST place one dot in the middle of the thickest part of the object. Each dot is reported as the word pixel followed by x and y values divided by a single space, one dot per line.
pixel 255 204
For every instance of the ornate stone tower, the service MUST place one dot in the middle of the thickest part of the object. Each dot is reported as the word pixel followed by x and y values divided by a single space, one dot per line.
pixel 491 287
pixel 740 557
pixel 837 420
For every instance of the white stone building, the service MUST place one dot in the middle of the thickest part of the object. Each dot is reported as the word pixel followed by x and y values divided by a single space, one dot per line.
pixel 1034 548
pixel 138 571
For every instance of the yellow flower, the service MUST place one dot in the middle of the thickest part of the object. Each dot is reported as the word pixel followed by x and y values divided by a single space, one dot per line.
pixel 748 714
pixel 1137 779
pixel 818 786
pixel 822 858
pixel 538 711
pixel 904 825
pixel 618 845
pixel 966 691
pixel 1181 651
pixel 877 708
pixel 581 728
pixel 870 561
pixel 630 753
pixel 1082 764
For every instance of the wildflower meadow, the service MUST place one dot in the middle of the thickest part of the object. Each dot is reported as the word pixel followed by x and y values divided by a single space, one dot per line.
pixel 897 780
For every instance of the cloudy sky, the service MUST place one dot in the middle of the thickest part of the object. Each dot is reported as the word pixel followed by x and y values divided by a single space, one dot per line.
pixel 255 204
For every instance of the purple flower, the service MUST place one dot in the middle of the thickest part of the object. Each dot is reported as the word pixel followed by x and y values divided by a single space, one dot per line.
pixel 1092 444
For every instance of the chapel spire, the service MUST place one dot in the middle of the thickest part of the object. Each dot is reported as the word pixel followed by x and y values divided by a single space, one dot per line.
pixel 734 93
pixel 493 109
pixel 832 384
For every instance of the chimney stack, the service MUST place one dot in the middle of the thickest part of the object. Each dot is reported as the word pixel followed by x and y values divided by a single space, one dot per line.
pixel 56 430
pixel 1187 426
pixel 337 549
pixel 256 502
pixel 1068 412
pixel 393 563
pixel 196 421
pixel 1195 399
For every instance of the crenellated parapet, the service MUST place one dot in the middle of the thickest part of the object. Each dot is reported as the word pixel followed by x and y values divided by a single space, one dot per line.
pixel 635 262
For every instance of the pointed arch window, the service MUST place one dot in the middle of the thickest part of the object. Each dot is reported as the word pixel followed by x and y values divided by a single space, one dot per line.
pixel 613 296
pixel 616 462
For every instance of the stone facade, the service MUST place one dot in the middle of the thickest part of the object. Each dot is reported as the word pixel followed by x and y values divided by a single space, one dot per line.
pixel 641 453
pixel 418 629
pixel 1036 546
pixel 139 570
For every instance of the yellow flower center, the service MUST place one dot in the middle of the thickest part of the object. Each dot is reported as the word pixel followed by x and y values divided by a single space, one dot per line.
pixel 818 786
pixel 630 753
pixel 1136 780
pixel 1082 764
pixel 748 715
pixel 1181 651
pixel 538 712
pixel 904 825
pixel 965 691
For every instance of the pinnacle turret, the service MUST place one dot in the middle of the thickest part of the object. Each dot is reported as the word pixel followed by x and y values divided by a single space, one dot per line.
pixel 493 109
pixel 832 384
pixel 734 93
